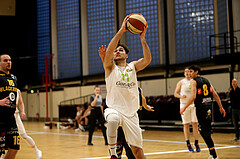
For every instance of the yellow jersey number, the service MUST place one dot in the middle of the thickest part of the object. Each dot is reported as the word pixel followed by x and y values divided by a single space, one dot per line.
pixel 11 83
pixel 205 90
pixel 16 140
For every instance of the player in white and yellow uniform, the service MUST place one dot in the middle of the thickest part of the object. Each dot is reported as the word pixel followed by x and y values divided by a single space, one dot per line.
pixel 122 92
pixel 183 92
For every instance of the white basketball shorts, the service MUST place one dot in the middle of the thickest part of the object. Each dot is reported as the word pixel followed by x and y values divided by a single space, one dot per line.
pixel 130 127
pixel 189 115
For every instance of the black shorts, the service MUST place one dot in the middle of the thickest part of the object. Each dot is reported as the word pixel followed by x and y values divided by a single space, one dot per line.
pixel 204 115
pixel 10 139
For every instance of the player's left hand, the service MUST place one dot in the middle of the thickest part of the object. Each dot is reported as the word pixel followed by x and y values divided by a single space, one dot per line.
pixel 23 115
pixel 149 108
pixel 182 110
pixel 102 52
pixel 222 111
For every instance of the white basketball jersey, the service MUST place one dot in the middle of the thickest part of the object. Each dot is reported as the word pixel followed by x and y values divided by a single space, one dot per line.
pixel 122 90
pixel 185 90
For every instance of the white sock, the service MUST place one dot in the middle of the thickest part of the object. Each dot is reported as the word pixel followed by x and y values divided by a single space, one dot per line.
pixel 113 150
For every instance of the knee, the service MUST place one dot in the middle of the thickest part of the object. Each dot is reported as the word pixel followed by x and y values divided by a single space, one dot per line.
pixel 195 125
pixel 12 152
pixel 186 125
pixel 209 142
pixel 208 139
pixel 113 120
pixel 113 123
pixel 24 136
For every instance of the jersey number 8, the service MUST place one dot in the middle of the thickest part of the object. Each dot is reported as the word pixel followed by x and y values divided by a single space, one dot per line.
pixel 205 90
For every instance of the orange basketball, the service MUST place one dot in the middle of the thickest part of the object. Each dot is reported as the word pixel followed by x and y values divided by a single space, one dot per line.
pixel 136 23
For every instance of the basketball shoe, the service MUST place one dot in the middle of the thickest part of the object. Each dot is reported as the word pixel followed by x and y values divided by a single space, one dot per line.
pixel 38 154
pixel 211 157
pixel 197 148
pixel 235 140
pixel 190 148
pixel 114 157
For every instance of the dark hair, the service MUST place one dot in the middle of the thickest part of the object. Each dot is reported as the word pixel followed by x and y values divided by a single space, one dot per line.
pixel 2 55
pixel 96 87
pixel 124 46
pixel 195 68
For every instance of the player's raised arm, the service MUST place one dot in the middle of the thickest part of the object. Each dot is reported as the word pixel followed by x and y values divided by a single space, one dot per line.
pixel 147 58
pixel 108 60
pixel 102 52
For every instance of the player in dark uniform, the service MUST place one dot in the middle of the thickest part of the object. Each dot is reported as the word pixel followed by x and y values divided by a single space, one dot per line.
pixel 202 93
pixel 122 143
pixel 9 137
pixel 121 140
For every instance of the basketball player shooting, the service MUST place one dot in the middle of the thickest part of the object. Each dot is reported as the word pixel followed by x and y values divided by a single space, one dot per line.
pixel 121 140
pixel 122 92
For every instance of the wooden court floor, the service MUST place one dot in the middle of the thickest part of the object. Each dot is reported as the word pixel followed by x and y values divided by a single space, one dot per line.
pixel 68 144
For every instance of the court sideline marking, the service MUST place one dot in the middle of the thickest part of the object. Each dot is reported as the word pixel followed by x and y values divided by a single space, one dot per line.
pixel 148 140
pixel 166 152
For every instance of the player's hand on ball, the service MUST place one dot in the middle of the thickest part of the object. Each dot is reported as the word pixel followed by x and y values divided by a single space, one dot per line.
pixel 124 24
pixel 142 34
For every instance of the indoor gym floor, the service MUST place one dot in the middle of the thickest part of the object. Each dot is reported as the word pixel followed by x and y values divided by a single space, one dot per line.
pixel 68 144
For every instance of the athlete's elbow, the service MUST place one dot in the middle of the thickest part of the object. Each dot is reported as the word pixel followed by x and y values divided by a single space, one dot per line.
pixel 193 96
pixel 175 95
pixel 148 61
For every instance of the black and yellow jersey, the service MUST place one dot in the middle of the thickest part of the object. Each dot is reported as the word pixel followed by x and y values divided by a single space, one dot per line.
pixel 204 91
pixel 8 88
